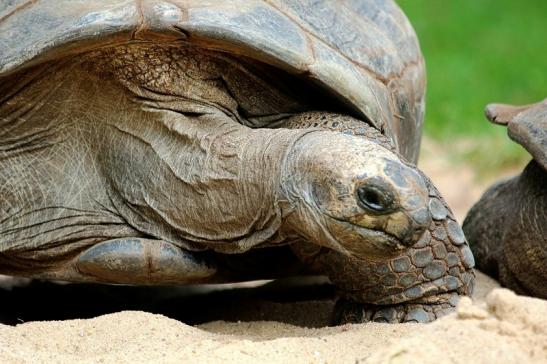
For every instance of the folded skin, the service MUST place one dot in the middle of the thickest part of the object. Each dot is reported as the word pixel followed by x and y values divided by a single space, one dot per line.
pixel 137 164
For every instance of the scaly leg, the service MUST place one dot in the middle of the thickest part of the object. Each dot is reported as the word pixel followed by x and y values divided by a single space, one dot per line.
pixel 133 261
pixel 420 284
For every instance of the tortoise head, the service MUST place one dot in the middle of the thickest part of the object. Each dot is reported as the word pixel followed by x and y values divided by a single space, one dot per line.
pixel 353 195
pixel 526 125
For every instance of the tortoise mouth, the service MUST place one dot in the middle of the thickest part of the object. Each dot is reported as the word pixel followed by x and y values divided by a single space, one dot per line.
pixel 364 242
pixel 392 240
pixel 383 239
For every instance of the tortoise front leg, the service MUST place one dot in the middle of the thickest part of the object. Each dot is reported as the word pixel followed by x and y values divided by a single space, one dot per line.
pixel 420 284
pixel 132 261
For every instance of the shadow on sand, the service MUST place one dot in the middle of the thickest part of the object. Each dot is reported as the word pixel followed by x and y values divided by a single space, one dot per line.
pixel 262 300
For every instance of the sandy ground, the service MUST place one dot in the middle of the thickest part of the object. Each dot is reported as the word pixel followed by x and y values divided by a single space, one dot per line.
pixel 272 323
pixel 501 327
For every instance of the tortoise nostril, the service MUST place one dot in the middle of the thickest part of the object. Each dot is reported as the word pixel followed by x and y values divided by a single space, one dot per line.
pixel 375 195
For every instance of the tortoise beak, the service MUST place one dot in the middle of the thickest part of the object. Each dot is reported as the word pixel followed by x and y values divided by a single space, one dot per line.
pixel 409 215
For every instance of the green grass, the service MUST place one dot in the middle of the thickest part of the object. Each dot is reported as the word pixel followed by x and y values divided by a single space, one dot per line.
pixel 476 52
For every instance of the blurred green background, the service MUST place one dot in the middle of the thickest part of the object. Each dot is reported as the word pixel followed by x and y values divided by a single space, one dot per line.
pixel 476 52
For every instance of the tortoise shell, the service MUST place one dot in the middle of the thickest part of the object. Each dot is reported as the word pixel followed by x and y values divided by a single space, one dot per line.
pixel 362 52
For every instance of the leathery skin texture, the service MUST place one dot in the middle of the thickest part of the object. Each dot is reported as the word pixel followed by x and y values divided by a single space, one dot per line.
pixel 507 228
pixel 418 285
pixel 507 231
pixel 149 149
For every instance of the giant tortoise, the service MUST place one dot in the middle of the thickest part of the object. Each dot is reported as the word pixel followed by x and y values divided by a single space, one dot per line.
pixel 172 142
pixel 507 228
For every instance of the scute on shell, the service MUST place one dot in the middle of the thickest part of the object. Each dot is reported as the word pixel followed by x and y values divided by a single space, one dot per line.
pixel 364 52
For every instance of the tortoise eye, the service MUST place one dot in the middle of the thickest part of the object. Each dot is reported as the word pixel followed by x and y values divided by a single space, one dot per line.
pixel 376 195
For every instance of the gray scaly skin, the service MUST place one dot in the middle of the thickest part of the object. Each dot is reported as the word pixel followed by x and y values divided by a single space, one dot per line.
pixel 137 164
pixel 507 228
pixel 418 285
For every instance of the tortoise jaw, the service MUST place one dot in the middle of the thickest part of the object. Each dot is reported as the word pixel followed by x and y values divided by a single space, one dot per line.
pixel 382 242
pixel 365 242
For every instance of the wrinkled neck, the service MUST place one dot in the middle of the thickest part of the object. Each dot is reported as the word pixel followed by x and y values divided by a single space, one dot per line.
pixel 303 218
pixel 198 178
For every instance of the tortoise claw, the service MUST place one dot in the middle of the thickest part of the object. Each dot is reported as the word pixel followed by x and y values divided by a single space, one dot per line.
pixel 347 311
